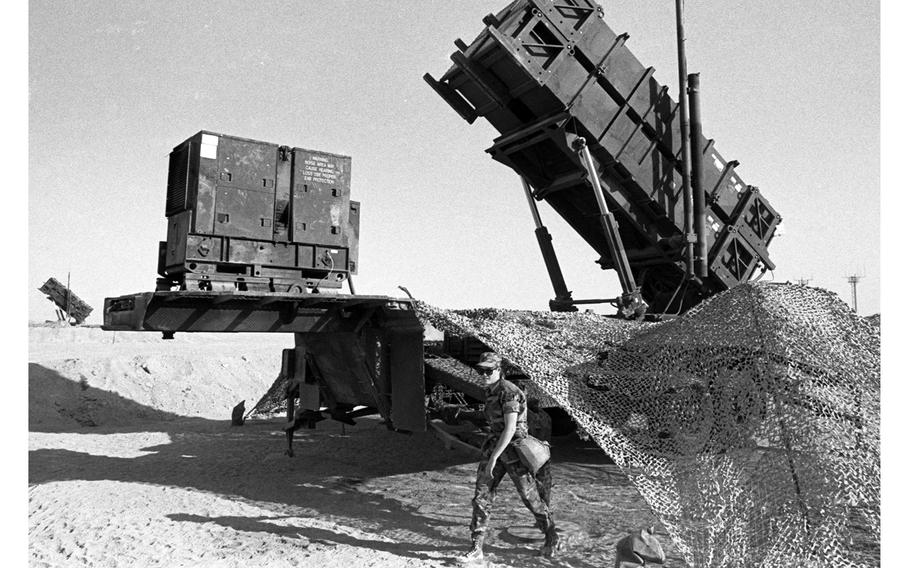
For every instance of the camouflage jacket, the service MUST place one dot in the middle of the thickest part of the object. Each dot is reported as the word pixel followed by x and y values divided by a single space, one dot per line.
pixel 504 397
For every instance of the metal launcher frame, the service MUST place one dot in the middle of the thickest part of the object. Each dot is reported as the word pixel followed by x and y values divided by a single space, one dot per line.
pixel 553 78
pixel 349 351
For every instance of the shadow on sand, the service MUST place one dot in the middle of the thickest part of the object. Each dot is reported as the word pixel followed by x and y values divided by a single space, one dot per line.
pixel 58 404
pixel 333 474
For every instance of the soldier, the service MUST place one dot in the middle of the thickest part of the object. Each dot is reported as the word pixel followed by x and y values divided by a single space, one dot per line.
pixel 506 411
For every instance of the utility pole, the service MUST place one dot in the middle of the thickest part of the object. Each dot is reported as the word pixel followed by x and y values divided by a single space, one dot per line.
pixel 854 280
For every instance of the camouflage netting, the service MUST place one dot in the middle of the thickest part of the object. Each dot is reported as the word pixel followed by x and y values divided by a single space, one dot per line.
pixel 750 425
pixel 274 400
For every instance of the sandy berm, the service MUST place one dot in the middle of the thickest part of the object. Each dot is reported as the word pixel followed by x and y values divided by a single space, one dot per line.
pixel 133 462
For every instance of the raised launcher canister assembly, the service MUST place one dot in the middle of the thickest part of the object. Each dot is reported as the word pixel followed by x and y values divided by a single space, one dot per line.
pixel 575 110
pixel 247 215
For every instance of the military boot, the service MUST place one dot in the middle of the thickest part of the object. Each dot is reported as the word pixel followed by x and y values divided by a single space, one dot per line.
pixel 551 544
pixel 475 555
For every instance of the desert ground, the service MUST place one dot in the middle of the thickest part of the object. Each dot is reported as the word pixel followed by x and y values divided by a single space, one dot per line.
pixel 133 461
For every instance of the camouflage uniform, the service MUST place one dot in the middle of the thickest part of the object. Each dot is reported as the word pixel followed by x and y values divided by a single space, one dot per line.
pixel 502 398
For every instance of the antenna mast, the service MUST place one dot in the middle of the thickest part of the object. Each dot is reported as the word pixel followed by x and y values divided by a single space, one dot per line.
pixel 854 280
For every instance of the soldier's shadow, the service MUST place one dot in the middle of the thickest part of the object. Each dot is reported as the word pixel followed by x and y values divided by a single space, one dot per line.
pixel 319 536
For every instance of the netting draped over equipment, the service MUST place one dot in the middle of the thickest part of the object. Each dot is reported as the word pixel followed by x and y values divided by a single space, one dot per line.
pixel 750 425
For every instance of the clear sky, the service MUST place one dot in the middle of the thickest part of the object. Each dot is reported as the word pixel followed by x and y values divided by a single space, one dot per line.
pixel 790 90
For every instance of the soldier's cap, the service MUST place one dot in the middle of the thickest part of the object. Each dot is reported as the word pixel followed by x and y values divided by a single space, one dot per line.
pixel 489 360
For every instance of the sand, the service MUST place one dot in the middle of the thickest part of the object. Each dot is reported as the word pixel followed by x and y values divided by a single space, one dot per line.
pixel 133 462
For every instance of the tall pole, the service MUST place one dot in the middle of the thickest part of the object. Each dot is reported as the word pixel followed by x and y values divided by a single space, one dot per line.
pixel 854 280
pixel 684 137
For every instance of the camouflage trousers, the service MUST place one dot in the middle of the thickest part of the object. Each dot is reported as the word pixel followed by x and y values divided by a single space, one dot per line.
pixel 533 490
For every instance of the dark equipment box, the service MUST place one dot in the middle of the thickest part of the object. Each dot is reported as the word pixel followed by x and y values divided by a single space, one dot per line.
pixel 544 72
pixel 254 216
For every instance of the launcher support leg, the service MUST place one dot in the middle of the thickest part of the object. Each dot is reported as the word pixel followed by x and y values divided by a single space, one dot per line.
pixel 293 391
pixel 563 301
pixel 631 303
pixel 289 429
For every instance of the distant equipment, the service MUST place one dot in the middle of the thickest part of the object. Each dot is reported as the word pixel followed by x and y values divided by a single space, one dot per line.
pixel 69 305
pixel 247 215
pixel 853 281
pixel 576 110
